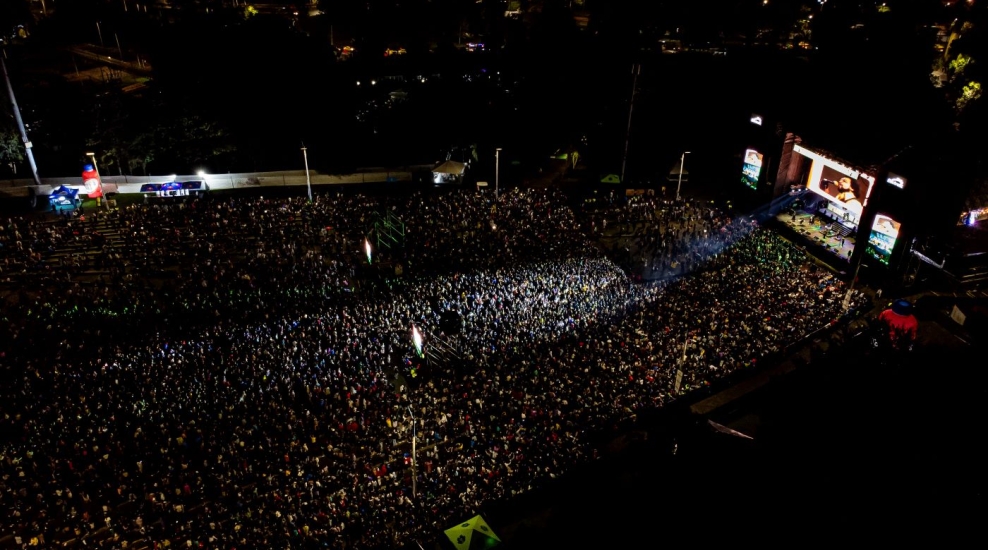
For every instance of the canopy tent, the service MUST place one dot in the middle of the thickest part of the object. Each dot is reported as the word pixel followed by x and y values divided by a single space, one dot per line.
pixel 449 172
pixel 473 534
pixel 63 197
pixel 450 167
pixel 674 173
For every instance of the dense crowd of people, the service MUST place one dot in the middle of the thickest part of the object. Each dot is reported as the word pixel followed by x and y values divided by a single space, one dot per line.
pixel 243 377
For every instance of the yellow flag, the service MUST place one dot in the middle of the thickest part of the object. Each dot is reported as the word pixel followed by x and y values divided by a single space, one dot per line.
pixel 463 534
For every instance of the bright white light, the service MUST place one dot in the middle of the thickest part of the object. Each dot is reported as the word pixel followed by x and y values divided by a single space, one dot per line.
pixel 373 82
pixel 358 83
pixel 417 340
pixel 202 173
pixel 367 248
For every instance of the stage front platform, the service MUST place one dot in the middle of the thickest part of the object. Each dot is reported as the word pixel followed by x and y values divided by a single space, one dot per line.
pixel 829 235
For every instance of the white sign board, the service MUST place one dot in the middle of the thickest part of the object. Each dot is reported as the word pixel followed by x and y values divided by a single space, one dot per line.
pixel 958 316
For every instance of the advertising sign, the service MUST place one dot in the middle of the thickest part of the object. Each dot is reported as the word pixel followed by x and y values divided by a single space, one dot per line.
pixel 896 180
pixel 752 168
pixel 884 233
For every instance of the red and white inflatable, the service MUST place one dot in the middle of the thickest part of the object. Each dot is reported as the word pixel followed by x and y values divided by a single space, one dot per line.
pixel 900 322
pixel 90 182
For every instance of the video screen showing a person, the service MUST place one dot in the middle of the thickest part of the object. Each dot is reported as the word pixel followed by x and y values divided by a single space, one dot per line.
pixel 842 189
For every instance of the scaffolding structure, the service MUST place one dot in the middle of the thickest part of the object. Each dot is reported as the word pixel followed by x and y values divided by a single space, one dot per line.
pixel 388 231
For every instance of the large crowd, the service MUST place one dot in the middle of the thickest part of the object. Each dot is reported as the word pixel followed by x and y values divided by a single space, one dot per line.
pixel 240 376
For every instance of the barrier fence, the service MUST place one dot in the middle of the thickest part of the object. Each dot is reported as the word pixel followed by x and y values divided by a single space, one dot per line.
pixel 25 187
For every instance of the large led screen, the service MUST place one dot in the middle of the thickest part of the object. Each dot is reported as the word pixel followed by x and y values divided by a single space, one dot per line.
pixel 884 233
pixel 752 168
pixel 847 188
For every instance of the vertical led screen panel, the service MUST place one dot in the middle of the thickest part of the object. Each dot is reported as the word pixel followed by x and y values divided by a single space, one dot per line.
pixel 884 233
pixel 847 188
pixel 752 168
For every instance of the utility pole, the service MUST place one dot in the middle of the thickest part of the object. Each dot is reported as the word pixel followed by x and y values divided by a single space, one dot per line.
pixel 308 182
pixel 497 170
pixel 636 69
pixel 28 146
pixel 414 473
pixel 682 162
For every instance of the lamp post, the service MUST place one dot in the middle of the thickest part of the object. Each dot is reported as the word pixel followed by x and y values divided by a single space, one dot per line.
pixel 28 146
pixel 414 473
pixel 497 170
pixel 682 161
pixel 99 179
pixel 308 182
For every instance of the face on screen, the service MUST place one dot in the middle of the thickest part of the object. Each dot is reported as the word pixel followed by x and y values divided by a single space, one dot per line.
pixel 839 184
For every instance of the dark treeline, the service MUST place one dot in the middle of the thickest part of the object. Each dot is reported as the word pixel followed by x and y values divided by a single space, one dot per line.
pixel 231 89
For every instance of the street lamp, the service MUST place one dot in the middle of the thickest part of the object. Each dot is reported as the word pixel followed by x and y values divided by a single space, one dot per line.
pixel 414 474
pixel 682 161
pixel 99 179
pixel 497 170
pixel 308 182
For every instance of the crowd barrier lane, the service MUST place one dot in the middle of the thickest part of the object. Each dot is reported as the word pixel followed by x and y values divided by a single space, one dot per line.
pixel 734 386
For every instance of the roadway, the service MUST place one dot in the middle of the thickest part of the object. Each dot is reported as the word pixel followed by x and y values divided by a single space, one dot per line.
pixel 92 53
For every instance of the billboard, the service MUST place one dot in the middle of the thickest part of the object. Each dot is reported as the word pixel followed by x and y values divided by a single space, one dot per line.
pixel 752 168
pixel 847 189
pixel 884 232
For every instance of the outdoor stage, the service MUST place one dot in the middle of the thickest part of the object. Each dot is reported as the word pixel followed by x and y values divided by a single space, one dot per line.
pixel 830 235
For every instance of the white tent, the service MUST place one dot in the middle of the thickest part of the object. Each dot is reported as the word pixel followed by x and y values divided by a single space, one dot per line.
pixel 449 172
pixel 674 174
pixel 450 167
